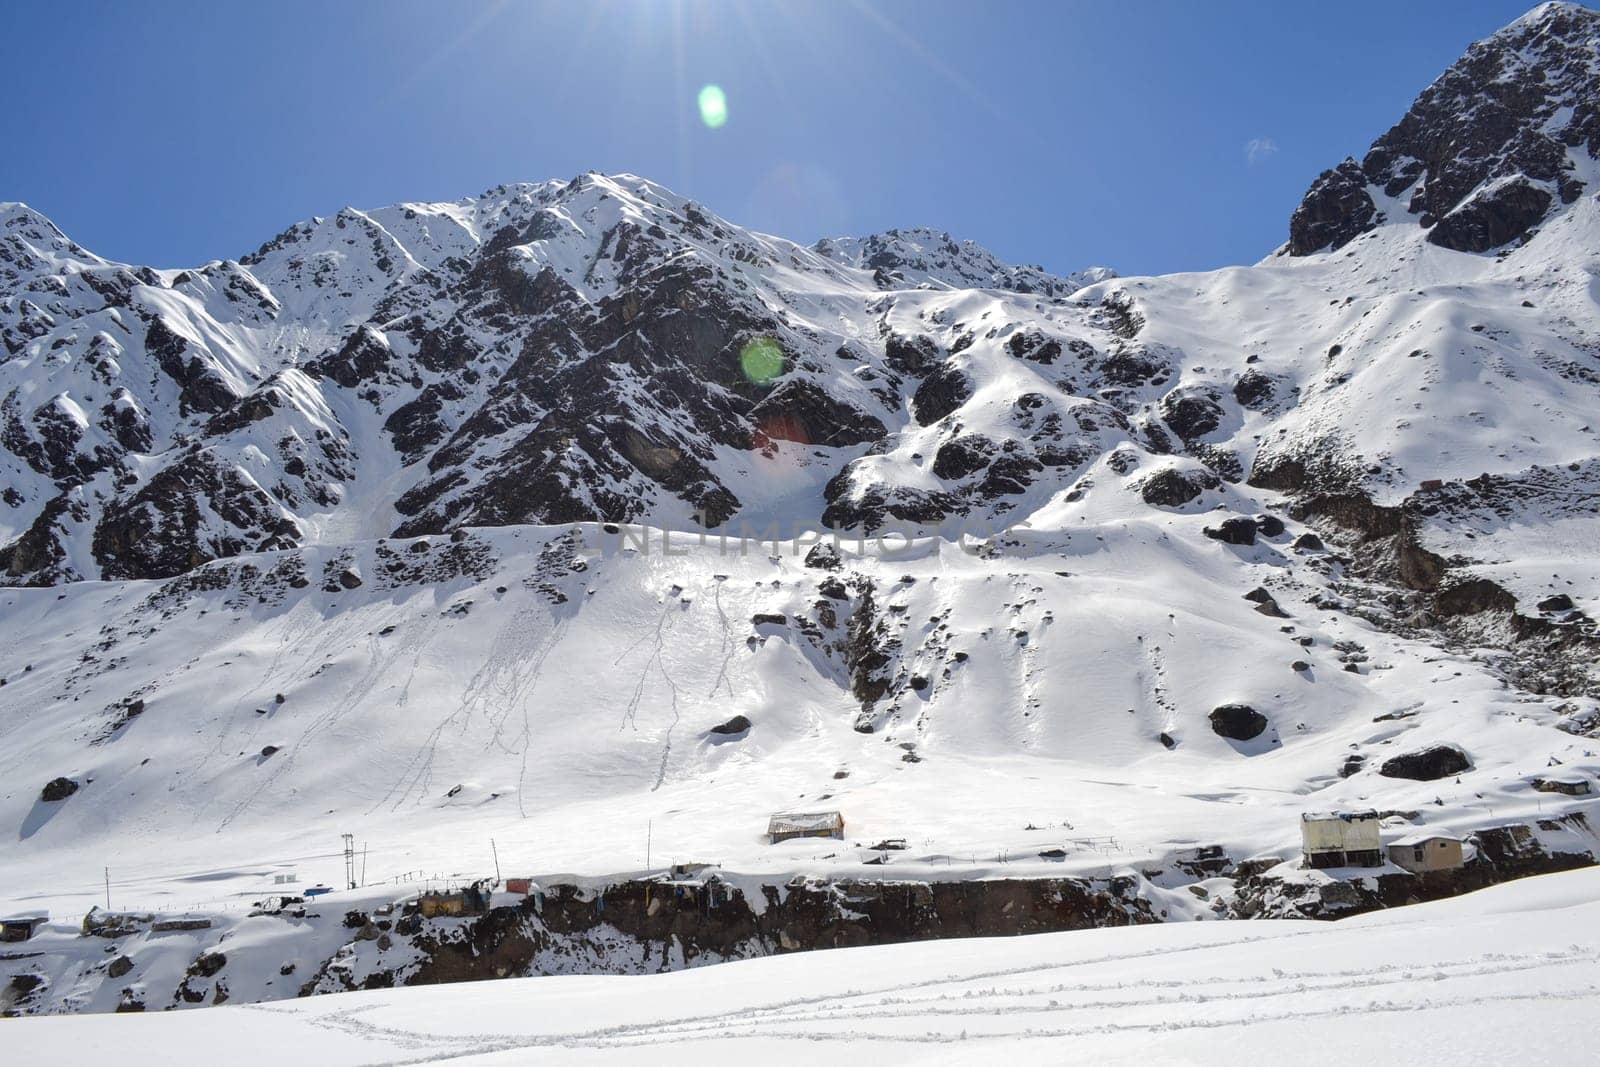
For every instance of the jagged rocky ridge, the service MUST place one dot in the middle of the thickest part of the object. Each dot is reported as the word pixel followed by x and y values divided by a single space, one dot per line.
pixel 1486 152
pixel 573 350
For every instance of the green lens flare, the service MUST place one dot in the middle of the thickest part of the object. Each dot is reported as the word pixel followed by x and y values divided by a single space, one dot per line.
pixel 761 359
pixel 713 106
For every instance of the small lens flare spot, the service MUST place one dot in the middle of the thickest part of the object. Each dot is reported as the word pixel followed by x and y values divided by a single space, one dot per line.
pixel 713 106
pixel 761 359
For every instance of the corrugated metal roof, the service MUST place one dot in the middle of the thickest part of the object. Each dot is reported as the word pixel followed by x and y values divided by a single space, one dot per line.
pixel 1422 837
pixel 1347 816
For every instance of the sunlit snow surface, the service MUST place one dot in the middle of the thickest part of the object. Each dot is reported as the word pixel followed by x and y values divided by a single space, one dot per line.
pixel 426 719
pixel 1511 974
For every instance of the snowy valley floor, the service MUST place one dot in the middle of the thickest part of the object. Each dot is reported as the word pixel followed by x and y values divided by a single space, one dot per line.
pixel 1512 972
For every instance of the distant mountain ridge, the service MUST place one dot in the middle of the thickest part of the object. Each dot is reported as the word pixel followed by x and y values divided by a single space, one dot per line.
pixel 155 419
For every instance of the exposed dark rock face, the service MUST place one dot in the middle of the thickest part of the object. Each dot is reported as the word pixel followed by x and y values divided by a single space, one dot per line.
pixel 1254 390
pixel 1336 210
pixel 365 358
pixel 940 394
pixel 1473 596
pixel 1237 722
pixel 739 724
pixel 910 355
pixel 50 440
pixel 57 789
pixel 1192 412
pixel 201 387
pixel 963 456
pixel 1483 148
pixel 1031 345
pixel 823 557
pixel 208 964
pixel 1492 217
pixel 716 922
pixel 1172 487
pixel 1428 764
pixel 800 411
pixel 38 556
pixel 160 530
pixel 870 507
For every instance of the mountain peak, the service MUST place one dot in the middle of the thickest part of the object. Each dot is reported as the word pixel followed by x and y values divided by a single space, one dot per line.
pixel 1485 154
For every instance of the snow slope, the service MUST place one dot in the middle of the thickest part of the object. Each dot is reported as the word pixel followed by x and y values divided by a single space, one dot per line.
pixel 315 542
pixel 486 688
pixel 1509 973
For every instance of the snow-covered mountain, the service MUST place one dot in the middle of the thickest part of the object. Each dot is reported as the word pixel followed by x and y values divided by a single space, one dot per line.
pixel 325 539
pixel 592 349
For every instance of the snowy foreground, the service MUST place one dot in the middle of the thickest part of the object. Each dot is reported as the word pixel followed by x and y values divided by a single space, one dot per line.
pixel 1511 972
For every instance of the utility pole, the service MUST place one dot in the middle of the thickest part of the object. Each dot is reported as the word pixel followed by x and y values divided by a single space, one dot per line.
pixel 363 863
pixel 496 861
pixel 108 888
pixel 349 860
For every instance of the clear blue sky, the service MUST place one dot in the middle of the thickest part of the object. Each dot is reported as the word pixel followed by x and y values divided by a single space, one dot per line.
pixel 1064 133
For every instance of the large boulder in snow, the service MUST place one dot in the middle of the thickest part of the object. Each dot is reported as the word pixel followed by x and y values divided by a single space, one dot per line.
pixel 1237 722
pixel 1428 764
pixel 1236 531
pixel 58 789
pixel 739 724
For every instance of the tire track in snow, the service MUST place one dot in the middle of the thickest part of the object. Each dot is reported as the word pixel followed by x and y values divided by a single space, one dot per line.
pixel 807 1017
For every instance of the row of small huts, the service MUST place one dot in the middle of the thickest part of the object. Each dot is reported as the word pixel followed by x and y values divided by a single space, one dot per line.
pixel 1354 839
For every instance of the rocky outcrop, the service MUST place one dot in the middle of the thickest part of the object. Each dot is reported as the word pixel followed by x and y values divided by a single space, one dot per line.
pixel 1172 487
pixel 643 926
pixel 1486 150
pixel 165 527
pixel 940 394
pixel 1492 217
pixel 1336 210
pixel 1236 531
pixel 1428 764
